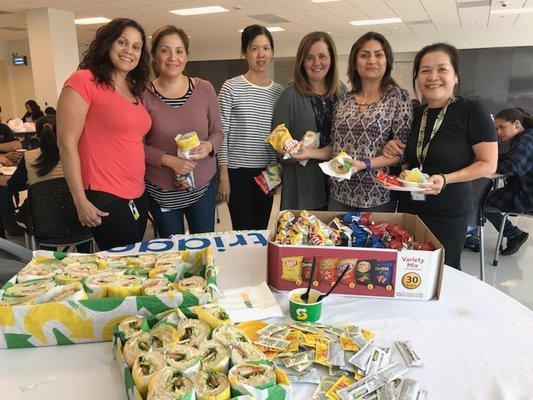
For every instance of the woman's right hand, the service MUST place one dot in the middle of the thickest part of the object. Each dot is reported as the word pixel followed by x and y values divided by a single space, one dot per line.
pixel 89 215
pixel 224 189
pixel 393 148
pixel 180 166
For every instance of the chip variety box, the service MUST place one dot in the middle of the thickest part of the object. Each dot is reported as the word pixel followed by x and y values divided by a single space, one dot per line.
pixel 72 311
pixel 373 272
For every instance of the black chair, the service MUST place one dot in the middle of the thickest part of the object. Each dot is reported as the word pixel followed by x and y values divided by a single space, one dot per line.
pixel 500 235
pixel 52 217
pixel 481 189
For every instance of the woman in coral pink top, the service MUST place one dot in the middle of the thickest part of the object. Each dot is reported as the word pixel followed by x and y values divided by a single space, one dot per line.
pixel 101 126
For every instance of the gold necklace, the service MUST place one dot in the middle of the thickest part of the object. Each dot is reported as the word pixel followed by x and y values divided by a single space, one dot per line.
pixel 363 103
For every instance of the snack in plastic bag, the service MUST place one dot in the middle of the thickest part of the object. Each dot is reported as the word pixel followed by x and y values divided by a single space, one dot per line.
pixel 360 234
pixel 282 237
pixel 186 142
pixel 317 237
pixel 282 141
pixel 270 178
pixel 340 167
pixel 387 180
pixel 344 231
pixel 397 232
pixel 328 270
pixel 298 233
pixel 291 269
pixel 285 221
pixel 363 274
pixel 382 275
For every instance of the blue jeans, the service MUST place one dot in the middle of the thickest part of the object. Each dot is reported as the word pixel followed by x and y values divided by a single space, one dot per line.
pixel 200 216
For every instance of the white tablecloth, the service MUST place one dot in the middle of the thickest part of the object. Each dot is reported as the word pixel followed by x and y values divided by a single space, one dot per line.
pixel 476 343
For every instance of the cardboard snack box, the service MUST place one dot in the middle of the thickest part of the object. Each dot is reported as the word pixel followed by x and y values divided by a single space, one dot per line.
pixel 380 273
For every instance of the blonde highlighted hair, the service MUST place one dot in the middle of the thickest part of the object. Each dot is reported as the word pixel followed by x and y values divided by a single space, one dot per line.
pixel 300 80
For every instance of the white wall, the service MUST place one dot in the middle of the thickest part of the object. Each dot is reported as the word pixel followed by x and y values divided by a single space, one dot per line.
pixel 400 42
pixel 17 79
pixel 54 49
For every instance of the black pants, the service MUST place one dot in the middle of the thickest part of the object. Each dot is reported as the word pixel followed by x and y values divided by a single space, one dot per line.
pixel 248 205
pixel 119 228
pixel 451 232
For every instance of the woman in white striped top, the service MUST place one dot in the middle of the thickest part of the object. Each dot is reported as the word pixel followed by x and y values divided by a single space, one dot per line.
pixel 246 105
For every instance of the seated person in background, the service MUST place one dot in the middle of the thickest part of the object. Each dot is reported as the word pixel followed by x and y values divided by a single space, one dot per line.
pixel 40 164
pixel 49 111
pixel 33 111
pixel 514 127
pixel 9 145
pixel 10 157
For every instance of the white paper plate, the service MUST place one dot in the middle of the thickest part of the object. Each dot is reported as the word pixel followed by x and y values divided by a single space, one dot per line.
pixel 403 188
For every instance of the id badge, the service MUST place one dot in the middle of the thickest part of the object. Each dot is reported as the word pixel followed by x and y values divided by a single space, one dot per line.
pixel 417 196
pixel 134 211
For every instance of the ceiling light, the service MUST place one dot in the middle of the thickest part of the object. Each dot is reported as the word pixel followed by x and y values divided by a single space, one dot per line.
pixel 199 10
pixel 270 28
pixel 503 11
pixel 376 21
pixel 91 21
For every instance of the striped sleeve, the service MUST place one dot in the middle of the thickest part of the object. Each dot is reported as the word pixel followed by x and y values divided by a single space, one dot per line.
pixel 225 100
pixel 246 111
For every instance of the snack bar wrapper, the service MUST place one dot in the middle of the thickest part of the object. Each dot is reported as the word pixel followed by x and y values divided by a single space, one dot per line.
pixel 186 143
pixel 282 141
pixel 340 167
pixel 310 140
pixel 270 178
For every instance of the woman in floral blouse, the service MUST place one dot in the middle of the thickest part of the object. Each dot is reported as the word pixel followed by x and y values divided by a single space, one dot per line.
pixel 366 118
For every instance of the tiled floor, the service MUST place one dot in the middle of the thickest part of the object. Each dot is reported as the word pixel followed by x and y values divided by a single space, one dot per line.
pixel 514 274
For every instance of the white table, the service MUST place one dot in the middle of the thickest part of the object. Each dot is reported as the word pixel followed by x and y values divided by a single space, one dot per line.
pixel 476 343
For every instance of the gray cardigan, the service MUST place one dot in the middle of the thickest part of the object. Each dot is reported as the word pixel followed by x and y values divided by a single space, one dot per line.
pixel 303 188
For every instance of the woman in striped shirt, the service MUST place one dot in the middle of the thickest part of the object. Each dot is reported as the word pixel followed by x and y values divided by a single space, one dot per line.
pixel 246 104
pixel 180 104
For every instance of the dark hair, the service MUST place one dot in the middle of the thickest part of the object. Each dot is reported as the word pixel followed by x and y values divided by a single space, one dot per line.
pixel 96 57
pixel 49 111
pixel 49 157
pixel 516 114
pixel 450 50
pixel 251 32
pixel 35 109
pixel 159 34
pixel 387 82
pixel 300 79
